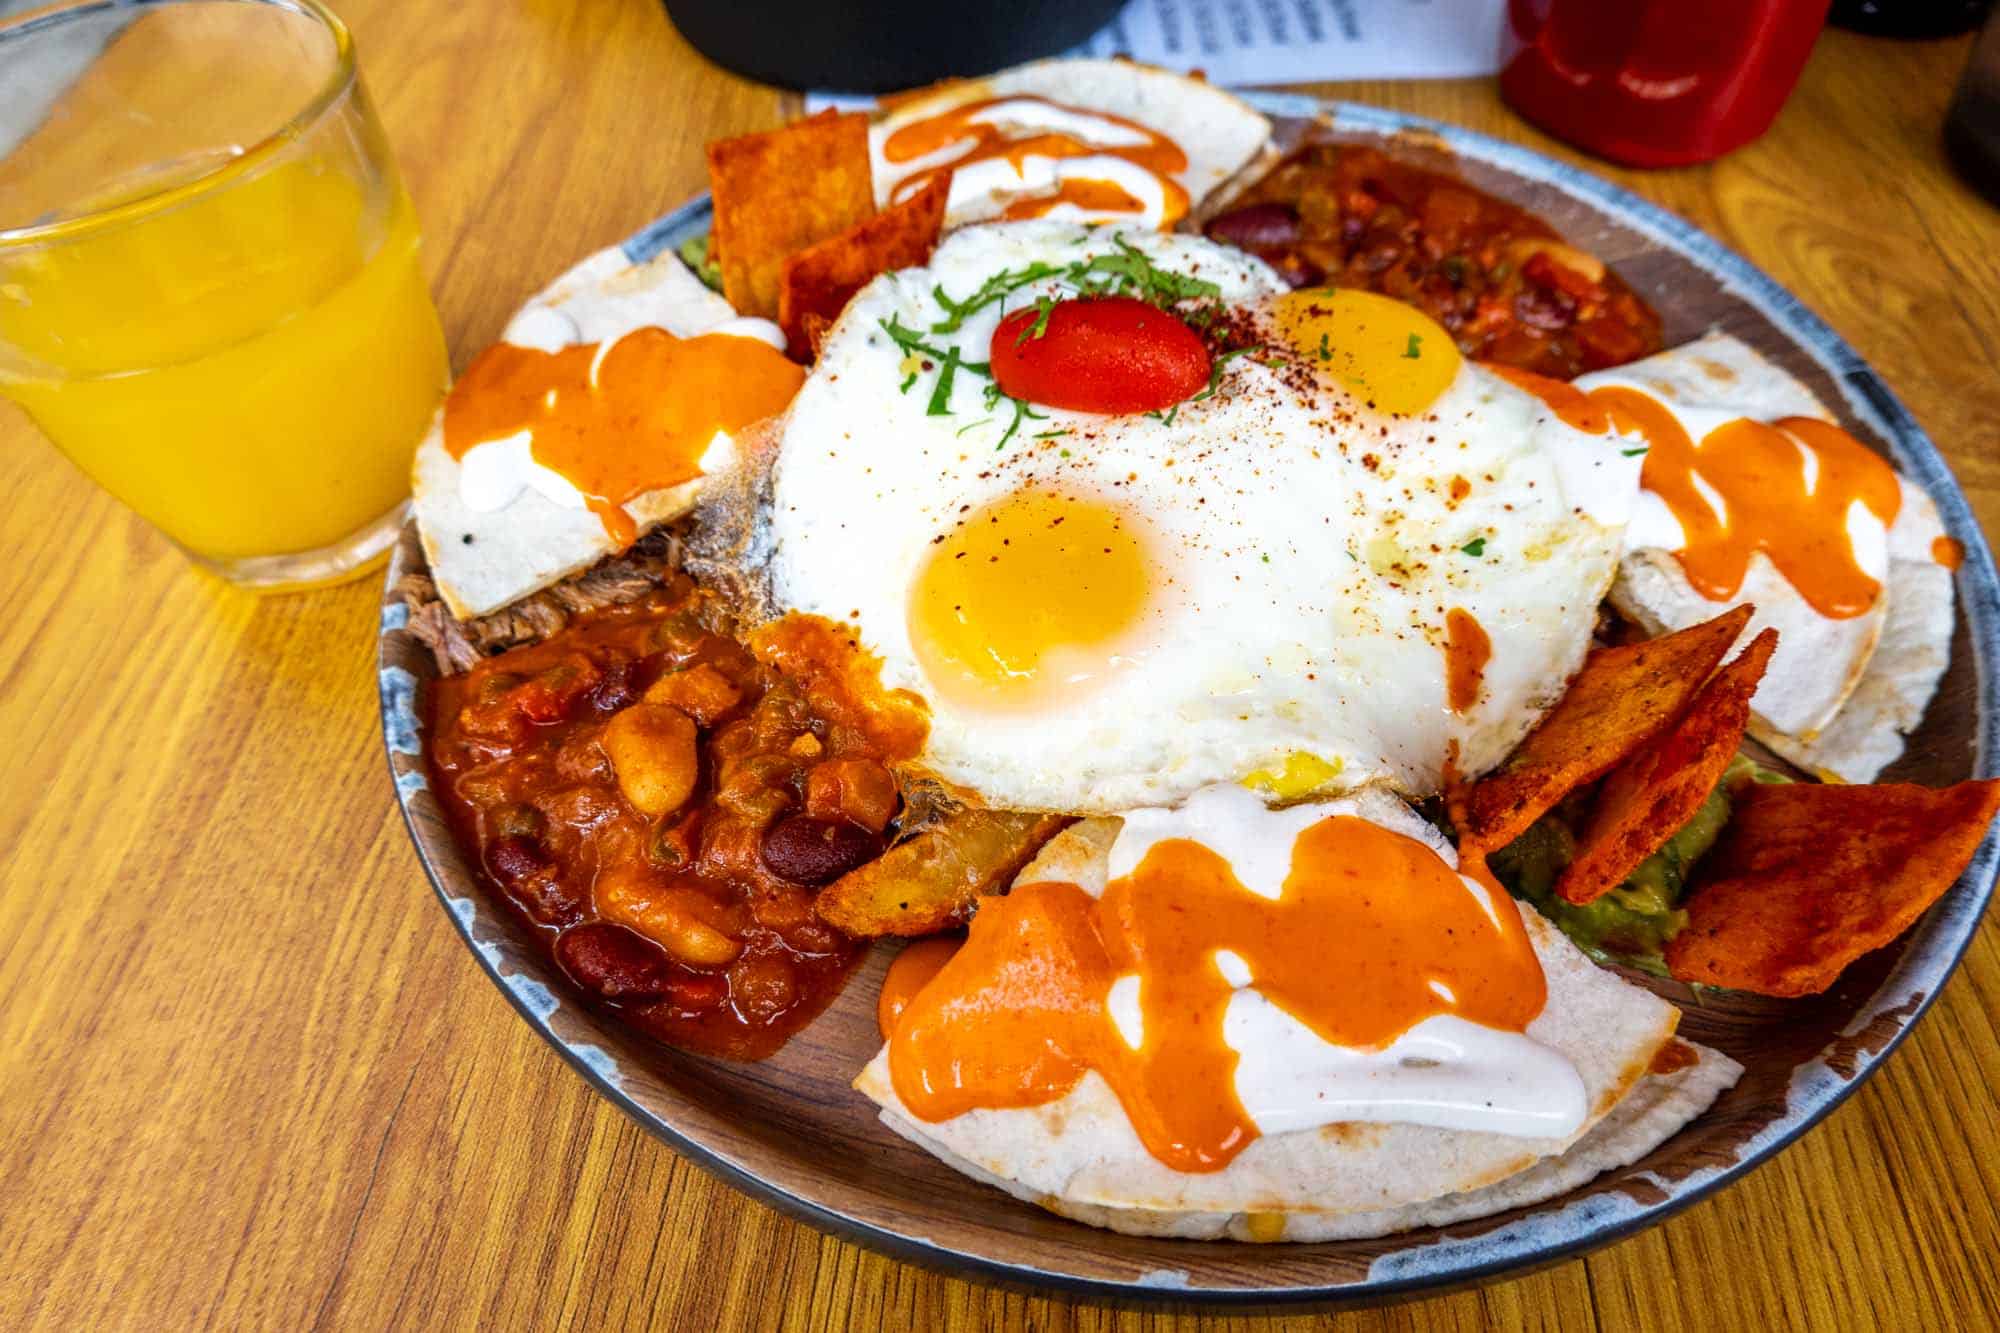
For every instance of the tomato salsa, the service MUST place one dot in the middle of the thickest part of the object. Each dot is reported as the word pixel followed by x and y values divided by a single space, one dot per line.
pixel 1505 285
pixel 661 806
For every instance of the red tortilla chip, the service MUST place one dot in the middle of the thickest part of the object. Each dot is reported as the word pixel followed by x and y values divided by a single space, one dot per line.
pixel 780 191
pixel 1807 878
pixel 1621 699
pixel 1649 797
pixel 817 282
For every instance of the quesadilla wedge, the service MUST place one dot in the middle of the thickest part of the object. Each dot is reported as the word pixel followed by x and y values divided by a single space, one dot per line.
pixel 483 558
pixel 1029 140
pixel 1080 1154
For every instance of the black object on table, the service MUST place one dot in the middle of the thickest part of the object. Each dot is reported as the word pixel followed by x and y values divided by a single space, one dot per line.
pixel 881 46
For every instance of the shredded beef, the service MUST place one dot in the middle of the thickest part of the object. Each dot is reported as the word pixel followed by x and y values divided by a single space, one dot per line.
pixel 458 644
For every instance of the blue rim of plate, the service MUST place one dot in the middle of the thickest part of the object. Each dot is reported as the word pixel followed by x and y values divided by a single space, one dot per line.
pixel 1557 1230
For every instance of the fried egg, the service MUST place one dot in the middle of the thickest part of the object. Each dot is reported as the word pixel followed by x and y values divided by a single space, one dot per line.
pixel 1349 558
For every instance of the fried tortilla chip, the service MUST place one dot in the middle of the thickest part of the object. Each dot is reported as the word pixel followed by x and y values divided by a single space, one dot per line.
pixel 780 191
pixel 1620 700
pixel 816 283
pixel 930 882
pixel 1648 798
pixel 1808 878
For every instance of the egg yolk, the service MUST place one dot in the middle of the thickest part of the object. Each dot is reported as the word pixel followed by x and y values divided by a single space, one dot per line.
pixel 1388 354
pixel 1029 598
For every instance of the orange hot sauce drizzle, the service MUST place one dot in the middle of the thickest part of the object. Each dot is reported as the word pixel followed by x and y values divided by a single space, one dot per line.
pixel 1757 470
pixel 656 403
pixel 1367 920
pixel 909 972
pixel 1158 154
pixel 1466 653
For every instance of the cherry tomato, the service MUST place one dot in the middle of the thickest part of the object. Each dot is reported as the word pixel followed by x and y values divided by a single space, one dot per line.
pixel 1100 354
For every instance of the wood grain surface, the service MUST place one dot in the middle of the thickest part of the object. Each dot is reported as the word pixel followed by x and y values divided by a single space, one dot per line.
pixel 250 1078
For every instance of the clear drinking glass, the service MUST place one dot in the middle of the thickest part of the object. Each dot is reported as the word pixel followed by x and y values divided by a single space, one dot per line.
pixel 210 296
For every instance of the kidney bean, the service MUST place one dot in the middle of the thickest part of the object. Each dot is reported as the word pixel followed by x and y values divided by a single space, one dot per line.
pixel 616 689
pixel 515 856
pixel 813 851
pixel 613 962
pixel 1255 226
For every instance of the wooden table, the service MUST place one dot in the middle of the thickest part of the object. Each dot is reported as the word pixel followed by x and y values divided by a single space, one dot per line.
pixel 249 1077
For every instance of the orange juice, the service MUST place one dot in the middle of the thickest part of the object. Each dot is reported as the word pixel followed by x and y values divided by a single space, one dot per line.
pixel 250 370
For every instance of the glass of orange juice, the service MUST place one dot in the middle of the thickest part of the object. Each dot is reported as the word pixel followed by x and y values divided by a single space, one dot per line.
pixel 210 295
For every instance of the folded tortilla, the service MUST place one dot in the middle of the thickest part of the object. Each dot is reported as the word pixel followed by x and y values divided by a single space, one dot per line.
pixel 1888 703
pixel 1839 694
pixel 1218 131
pixel 481 561
pixel 1080 1157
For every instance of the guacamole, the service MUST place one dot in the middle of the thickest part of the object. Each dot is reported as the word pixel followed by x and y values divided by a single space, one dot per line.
pixel 1633 922
pixel 695 253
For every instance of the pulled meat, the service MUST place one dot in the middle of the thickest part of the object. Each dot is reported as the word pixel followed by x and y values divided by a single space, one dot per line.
pixel 457 645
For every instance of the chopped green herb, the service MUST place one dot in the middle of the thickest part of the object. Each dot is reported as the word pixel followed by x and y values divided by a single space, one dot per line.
pixel 1215 369
pixel 1415 349
pixel 1267 559
pixel 1475 548
pixel 1044 306
pixel 1022 412
pixel 1633 453
pixel 1128 272
pixel 1052 434
pixel 983 421
pixel 1325 348
pixel 940 404
pixel 995 288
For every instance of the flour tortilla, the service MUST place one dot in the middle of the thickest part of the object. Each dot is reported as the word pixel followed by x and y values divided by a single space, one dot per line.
pixel 1656 1109
pixel 1820 665
pixel 1217 130
pixel 1079 1156
pixel 483 561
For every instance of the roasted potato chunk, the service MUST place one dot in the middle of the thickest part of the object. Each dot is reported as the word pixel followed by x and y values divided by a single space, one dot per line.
pixel 652 749
pixel 930 881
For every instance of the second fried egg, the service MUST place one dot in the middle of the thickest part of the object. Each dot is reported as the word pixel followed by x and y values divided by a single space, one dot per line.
pixel 1345 555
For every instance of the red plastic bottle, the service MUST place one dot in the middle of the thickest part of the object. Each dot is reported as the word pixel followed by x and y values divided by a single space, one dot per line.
pixel 1656 83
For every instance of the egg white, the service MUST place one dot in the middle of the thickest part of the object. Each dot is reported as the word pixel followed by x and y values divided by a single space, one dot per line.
pixel 1306 548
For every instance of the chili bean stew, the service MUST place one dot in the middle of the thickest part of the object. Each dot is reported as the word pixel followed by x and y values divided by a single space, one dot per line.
pixel 1499 279
pixel 661 806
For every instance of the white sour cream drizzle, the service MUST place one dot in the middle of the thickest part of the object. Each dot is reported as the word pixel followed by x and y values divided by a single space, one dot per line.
pixel 1032 113
pixel 1654 526
pixel 1445 1071
pixel 495 473
pixel 997 178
